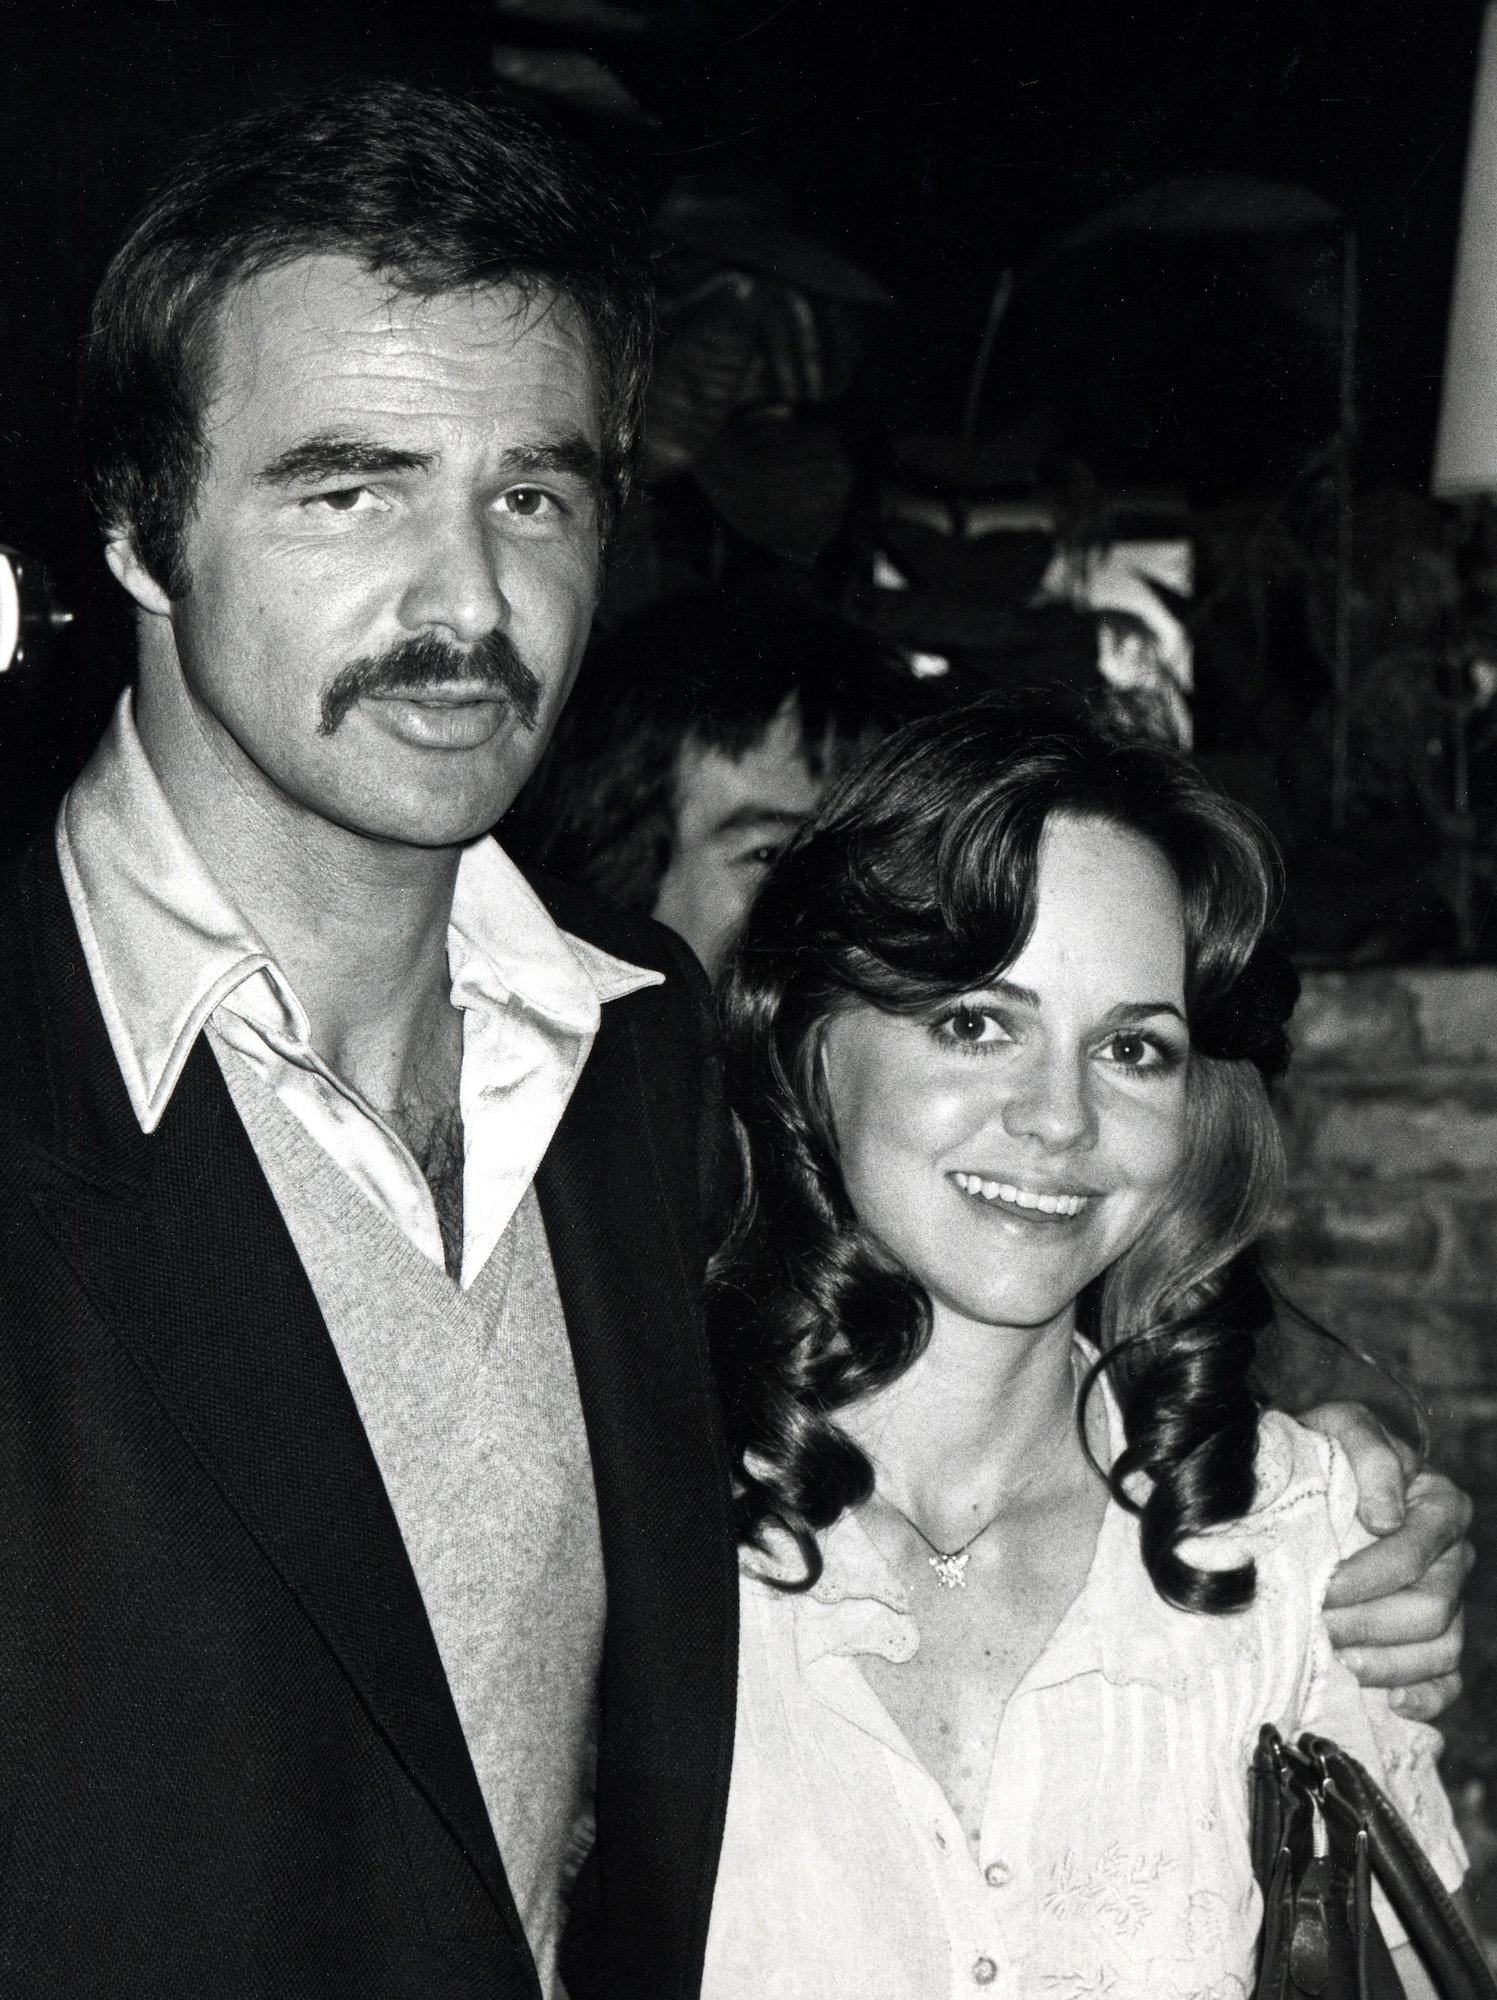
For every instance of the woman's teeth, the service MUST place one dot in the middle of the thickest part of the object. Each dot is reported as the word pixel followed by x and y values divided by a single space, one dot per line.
pixel 1047 1204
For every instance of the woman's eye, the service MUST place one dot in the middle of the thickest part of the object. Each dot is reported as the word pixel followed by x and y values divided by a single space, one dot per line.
pixel 970 1026
pixel 1135 1051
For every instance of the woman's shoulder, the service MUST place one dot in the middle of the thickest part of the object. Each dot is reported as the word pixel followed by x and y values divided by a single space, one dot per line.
pixel 1300 1471
pixel 1294 1462
pixel 1303 1513
pixel 1290 1534
pixel 1297 1470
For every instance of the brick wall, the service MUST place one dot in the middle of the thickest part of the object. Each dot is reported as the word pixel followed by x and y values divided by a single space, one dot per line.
pixel 1389 1237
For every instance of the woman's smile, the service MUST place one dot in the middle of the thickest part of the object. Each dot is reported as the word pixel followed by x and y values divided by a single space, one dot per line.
pixel 1033 1204
pixel 998 1032
pixel 1006 1146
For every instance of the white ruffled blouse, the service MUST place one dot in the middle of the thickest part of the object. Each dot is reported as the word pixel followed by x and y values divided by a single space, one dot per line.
pixel 1114 1849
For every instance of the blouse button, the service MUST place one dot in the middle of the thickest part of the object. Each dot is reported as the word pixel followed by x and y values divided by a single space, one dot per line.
pixel 984 1972
pixel 997 1874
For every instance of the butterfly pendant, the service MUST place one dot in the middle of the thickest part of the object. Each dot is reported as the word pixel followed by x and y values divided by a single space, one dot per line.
pixel 951 1571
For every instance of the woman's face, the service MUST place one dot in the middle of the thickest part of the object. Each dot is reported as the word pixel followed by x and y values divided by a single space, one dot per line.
pixel 1005 1148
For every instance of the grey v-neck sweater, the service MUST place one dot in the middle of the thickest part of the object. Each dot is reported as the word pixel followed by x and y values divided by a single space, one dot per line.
pixel 470 1404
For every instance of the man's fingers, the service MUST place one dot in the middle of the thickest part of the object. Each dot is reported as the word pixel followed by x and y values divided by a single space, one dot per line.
pixel 1409 1664
pixel 1426 1701
pixel 1424 1610
pixel 1381 1463
pixel 1436 1522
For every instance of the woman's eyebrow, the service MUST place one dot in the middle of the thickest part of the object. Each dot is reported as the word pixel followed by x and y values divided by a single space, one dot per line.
pixel 1125 1010
pixel 333 456
pixel 1138 1010
pixel 1005 989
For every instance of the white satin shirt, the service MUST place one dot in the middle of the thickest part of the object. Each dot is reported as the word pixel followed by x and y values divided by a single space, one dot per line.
pixel 1114 1849
pixel 168 952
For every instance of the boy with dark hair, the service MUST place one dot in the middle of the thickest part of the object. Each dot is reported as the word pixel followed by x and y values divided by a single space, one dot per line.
pixel 701 734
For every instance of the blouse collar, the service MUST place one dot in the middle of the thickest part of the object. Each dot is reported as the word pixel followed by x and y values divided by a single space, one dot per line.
pixel 1118 1625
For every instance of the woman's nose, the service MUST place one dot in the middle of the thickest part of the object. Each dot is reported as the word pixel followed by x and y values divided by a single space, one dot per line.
pixel 1049 1101
pixel 456 585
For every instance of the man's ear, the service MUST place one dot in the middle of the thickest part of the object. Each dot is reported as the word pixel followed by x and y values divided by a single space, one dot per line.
pixel 128 569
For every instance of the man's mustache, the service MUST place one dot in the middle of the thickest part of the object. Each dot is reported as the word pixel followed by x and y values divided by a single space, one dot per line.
pixel 429 661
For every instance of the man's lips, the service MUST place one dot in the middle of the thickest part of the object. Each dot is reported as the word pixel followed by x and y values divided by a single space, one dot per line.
pixel 448 694
pixel 1013 1198
pixel 453 717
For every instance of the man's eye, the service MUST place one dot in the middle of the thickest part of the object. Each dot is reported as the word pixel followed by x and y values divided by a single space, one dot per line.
pixel 528 502
pixel 342 499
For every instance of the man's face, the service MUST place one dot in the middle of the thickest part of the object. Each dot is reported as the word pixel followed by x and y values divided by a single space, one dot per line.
pixel 733 815
pixel 393 555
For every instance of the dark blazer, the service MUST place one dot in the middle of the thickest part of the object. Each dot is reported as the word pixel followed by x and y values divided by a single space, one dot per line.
pixel 230 1765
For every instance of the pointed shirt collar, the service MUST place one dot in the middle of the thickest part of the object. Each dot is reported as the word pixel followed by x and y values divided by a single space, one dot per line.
pixel 166 949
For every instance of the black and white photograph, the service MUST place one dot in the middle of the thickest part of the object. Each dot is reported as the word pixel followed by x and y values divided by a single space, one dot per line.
pixel 748 1000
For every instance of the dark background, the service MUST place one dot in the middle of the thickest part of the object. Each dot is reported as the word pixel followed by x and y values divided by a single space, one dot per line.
pixel 934 143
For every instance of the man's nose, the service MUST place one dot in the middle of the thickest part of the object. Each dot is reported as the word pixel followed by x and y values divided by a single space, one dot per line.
pixel 1049 1099
pixel 455 585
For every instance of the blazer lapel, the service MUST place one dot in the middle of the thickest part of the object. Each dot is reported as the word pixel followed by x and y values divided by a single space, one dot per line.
pixel 178 1240
pixel 623 1243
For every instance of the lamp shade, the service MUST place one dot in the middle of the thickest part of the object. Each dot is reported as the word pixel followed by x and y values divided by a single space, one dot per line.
pixel 1466 449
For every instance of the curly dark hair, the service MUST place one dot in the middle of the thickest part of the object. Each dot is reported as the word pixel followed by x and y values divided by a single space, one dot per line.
pixel 433 192
pixel 913 883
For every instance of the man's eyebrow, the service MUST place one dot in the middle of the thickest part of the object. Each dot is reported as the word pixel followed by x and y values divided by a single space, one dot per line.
pixel 572 455
pixel 776 817
pixel 333 456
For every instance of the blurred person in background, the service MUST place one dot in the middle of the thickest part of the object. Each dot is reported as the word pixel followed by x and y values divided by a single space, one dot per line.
pixel 699 737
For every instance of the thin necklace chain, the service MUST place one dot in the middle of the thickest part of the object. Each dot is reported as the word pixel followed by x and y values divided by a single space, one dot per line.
pixel 950 1565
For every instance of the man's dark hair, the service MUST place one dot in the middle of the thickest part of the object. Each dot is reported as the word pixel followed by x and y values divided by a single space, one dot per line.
pixel 710 668
pixel 434 193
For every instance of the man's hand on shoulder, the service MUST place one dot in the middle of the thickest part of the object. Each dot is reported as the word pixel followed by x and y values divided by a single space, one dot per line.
pixel 1393 1610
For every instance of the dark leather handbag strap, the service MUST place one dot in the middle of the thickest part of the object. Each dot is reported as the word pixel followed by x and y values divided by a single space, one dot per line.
pixel 1321 1829
pixel 1312 1860
pixel 1452 1955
